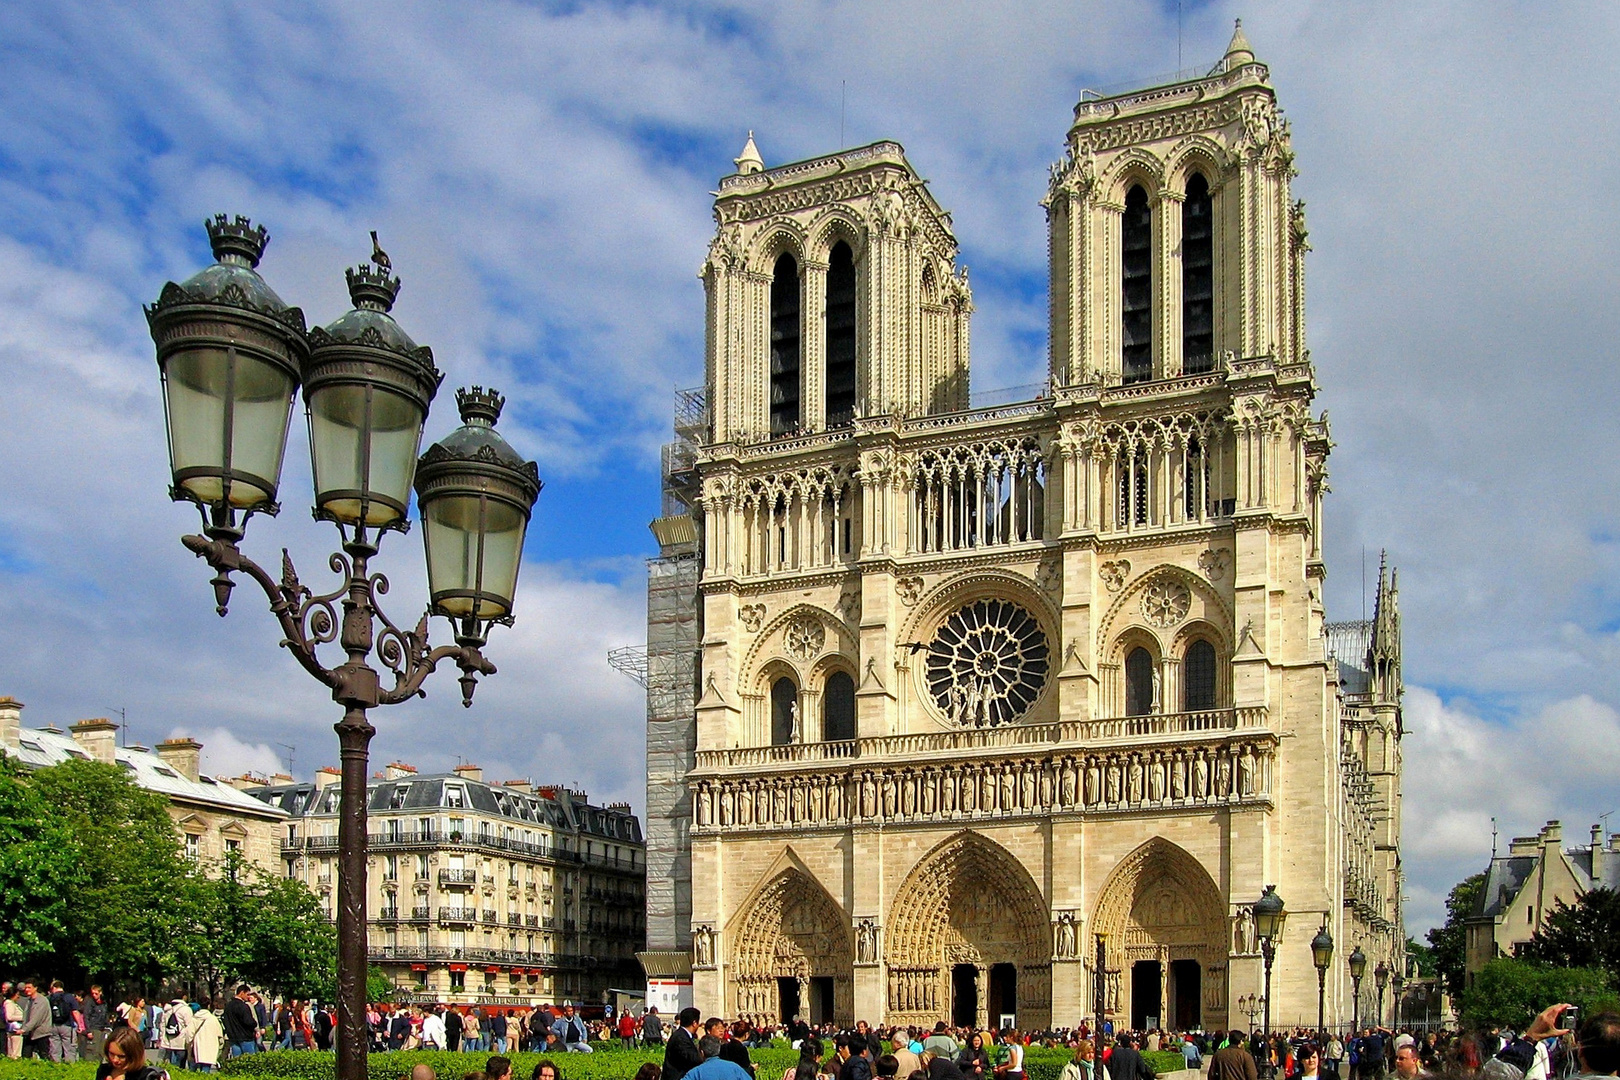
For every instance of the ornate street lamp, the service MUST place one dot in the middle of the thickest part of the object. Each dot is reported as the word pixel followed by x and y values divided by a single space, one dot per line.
pixel 1381 979
pixel 1322 957
pixel 1269 916
pixel 232 355
pixel 1397 979
pixel 1358 967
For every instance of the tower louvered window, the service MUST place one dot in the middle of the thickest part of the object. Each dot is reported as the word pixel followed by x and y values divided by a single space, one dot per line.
pixel 1198 677
pixel 1197 279
pixel 840 336
pixel 1136 286
pixel 785 340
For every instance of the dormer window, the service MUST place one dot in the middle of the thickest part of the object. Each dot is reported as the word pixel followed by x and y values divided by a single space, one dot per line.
pixel 397 800
pixel 455 796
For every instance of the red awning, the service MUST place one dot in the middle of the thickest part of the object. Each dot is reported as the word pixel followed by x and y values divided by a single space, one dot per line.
pixel 418 967
pixel 492 970
pixel 458 967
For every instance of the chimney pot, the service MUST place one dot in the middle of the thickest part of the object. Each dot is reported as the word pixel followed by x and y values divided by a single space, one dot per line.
pixel 183 755
pixel 326 776
pixel 398 770
pixel 469 772
pixel 10 726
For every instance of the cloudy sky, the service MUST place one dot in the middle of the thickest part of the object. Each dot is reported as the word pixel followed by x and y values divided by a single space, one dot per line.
pixel 540 175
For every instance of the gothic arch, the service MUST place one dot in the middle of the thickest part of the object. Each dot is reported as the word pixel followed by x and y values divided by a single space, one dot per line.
pixel 1160 904
pixel 1134 166
pixel 1203 604
pixel 779 236
pixel 1195 153
pixel 834 224
pixel 791 928
pixel 770 644
pixel 968 901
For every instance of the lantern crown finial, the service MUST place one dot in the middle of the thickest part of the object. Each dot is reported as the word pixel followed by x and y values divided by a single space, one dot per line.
pixel 371 285
pixel 236 242
pixel 479 406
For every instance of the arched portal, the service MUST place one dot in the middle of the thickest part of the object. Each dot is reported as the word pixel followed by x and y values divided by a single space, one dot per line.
pixel 1167 940
pixel 788 944
pixel 965 909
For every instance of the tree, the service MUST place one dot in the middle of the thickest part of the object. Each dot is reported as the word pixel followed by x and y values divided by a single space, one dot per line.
pixel 1448 943
pixel 126 916
pixel 1508 993
pixel 1420 957
pixel 291 944
pixel 40 872
pixel 379 987
pixel 1585 934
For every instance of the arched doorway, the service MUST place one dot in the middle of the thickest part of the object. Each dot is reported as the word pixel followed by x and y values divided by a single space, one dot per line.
pixel 791 955
pixel 1166 928
pixel 969 934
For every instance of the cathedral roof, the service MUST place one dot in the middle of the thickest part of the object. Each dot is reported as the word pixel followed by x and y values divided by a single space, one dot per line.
pixel 749 162
pixel 1238 50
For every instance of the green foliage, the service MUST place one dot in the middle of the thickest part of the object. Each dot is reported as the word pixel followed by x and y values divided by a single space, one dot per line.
pixel 1420 957
pixel 35 1069
pixel 1448 943
pixel 40 869
pixel 1508 993
pixel 1585 934
pixel 379 987
pixel 124 917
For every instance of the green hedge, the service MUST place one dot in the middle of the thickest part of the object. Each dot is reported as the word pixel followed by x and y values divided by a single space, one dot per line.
pixel 1039 1064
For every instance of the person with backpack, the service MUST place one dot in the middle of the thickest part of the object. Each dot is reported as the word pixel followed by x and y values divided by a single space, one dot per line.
pixel 66 1023
pixel 175 1029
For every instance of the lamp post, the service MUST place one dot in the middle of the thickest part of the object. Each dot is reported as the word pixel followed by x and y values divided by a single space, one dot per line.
pixel 1249 1005
pixel 1381 980
pixel 232 356
pixel 1358 967
pixel 1322 957
pixel 1397 979
pixel 1269 916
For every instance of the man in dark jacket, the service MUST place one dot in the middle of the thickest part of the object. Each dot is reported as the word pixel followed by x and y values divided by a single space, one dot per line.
pixel 241 1023
pixel 854 1057
pixel 1233 1062
pixel 452 1030
pixel 681 1052
pixel 1127 1063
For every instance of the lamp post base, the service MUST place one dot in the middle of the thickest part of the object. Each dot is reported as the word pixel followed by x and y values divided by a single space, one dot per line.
pixel 353 1039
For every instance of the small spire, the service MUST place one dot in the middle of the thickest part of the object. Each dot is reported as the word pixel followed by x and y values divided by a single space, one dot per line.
pixel 479 407
pixel 749 161
pixel 1238 50
pixel 372 285
pixel 236 242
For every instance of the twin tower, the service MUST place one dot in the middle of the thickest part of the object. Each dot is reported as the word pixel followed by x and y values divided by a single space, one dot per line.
pixel 1013 711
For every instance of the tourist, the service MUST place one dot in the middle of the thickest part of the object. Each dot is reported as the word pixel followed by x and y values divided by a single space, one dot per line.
pixel 433 1033
pixel 652 1028
pixel 1127 1063
pixel 853 1060
pixel 174 1032
pixel 1308 1062
pixel 96 1017
pixel 1233 1061
pixel 626 1030
pixel 905 1058
pixel 240 1024
pixel 1084 1064
pixel 974 1059
pixel 35 1027
pixel 125 1055
pixel 713 1066
pixel 681 1054
pixel 207 1039
pixel 13 1013
pixel 453 1027
pixel 498 1067
pixel 940 1067
pixel 649 1071
pixel 545 1069
pixel 940 1042
pixel 735 1050
pixel 1012 1066
pixel 472 1031
pixel 571 1032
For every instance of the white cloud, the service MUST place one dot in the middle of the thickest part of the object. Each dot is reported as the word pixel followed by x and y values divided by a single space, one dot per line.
pixel 223 754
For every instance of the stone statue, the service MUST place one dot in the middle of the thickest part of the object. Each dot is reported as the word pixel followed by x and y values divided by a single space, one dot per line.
pixel 795 725
pixel 1157 700
pixel 1093 781
pixel 702 946
pixel 1136 778
pixel 1246 772
pixel 1111 795
pixel 1178 778
pixel 1067 791
pixel 866 935
pixel 1200 776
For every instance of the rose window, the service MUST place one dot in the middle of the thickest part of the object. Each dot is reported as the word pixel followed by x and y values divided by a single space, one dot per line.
pixel 987 663
pixel 1165 602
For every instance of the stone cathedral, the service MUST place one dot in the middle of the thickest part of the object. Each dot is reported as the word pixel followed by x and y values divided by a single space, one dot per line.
pixel 970 709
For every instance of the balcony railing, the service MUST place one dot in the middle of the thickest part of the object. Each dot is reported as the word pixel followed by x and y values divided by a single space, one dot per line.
pixel 1124 729
pixel 514 957
pixel 458 877
pixel 457 915
pixel 421 914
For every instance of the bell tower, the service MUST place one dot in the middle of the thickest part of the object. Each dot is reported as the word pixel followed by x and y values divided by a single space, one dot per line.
pixel 832 293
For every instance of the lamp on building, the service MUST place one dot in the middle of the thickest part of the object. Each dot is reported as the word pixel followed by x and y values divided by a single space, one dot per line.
pixel 1358 967
pixel 1322 957
pixel 231 356
pixel 1269 917
pixel 1381 980
pixel 1397 979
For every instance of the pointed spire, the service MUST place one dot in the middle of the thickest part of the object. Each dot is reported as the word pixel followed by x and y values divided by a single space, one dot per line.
pixel 749 161
pixel 1238 50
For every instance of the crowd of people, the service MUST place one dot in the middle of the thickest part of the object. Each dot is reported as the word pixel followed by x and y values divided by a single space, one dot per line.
pixel 53 1023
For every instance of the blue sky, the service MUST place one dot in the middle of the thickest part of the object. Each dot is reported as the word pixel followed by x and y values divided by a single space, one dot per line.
pixel 540 175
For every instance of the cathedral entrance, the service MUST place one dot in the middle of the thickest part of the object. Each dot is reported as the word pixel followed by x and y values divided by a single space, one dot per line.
pixel 1145 1011
pixel 787 996
pixel 1003 994
pixel 969 937
pixel 790 943
pixel 965 995
pixel 1186 992
pixel 1166 913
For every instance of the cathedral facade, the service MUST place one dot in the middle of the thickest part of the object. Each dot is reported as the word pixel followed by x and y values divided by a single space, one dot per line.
pixel 1014 710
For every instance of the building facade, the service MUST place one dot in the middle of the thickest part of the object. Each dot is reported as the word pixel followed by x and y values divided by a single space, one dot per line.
pixel 1524 886
pixel 211 817
pixel 480 893
pixel 965 712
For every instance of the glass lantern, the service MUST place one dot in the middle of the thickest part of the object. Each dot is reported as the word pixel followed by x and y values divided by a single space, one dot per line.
pixel 230 353
pixel 367 391
pixel 475 495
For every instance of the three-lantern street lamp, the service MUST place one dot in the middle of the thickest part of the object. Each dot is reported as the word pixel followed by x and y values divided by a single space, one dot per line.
pixel 232 356
pixel 1357 960
pixel 1397 979
pixel 1269 916
pixel 1381 979
pixel 1322 957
